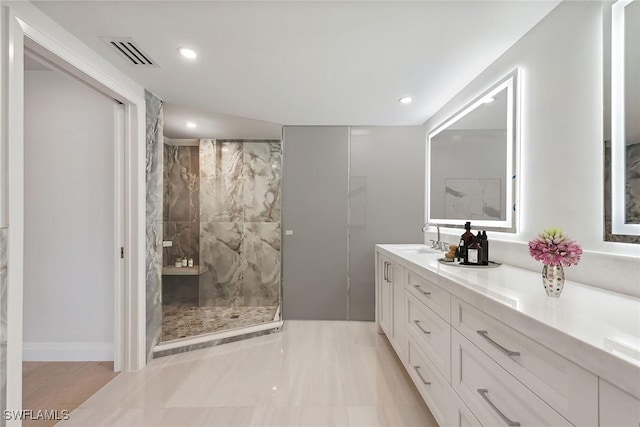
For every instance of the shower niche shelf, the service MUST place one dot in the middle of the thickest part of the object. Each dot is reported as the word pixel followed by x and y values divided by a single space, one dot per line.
pixel 196 270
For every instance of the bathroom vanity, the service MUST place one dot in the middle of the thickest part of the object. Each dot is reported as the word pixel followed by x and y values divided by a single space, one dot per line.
pixel 487 347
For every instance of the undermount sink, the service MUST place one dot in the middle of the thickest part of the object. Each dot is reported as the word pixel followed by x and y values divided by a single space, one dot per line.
pixel 417 249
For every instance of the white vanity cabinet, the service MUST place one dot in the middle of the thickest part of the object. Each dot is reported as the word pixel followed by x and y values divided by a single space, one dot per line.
pixel 572 390
pixel 430 332
pixel 618 408
pixel 476 367
pixel 495 396
pixel 384 295
pixel 390 301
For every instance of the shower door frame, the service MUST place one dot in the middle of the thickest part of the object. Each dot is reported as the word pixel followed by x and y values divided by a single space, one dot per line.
pixel 167 347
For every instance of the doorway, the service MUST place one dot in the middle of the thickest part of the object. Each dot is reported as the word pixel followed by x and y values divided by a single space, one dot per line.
pixel 72 205
pixel 27 28
pixel 70 216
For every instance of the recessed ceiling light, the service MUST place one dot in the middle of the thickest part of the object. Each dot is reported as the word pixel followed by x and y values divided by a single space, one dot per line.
pixel 188 53
pixel 191 125
pixel 405 100
pixel 489 100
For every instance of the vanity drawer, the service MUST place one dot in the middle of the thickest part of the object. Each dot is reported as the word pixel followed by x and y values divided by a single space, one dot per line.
pixel 434 389
pixel 462 415
pixel 431 333
pixel 568 388
pixel 429 293
pixel 494 396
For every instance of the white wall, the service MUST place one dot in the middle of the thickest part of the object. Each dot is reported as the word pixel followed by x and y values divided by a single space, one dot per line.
pixel 560 174
pixel 69 220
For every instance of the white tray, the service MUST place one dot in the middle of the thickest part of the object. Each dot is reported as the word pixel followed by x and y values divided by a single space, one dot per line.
pixel 492 264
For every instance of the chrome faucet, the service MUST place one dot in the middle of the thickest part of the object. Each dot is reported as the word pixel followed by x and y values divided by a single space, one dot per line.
pixel 436 244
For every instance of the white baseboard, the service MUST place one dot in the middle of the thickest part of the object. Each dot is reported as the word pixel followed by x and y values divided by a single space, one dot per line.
pixel 67 351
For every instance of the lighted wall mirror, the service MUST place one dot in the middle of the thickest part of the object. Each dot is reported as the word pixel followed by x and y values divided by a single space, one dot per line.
pixel 471 162
pixel 625 120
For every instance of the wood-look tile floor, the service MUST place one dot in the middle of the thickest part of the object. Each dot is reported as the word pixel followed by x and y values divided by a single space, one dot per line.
pixel 61 385
pixel 310 374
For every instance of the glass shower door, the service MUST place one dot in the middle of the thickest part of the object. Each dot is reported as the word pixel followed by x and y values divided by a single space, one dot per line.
pixel 228 191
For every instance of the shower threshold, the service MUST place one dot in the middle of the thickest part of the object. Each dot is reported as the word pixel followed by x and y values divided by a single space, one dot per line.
pixel 211 339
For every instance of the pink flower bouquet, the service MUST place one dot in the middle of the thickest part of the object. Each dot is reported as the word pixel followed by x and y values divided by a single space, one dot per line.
pixel 553 248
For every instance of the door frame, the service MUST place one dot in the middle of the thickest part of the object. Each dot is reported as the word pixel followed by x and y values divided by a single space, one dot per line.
pixel 27 26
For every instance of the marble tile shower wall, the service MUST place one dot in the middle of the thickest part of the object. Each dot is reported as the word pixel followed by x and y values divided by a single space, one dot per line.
pixel 154 163
pixel 3 320
pixel 181 203
pixel 240 222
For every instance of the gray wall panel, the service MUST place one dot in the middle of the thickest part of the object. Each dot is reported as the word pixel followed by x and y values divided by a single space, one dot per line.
pixel 386 202
pixel 315 179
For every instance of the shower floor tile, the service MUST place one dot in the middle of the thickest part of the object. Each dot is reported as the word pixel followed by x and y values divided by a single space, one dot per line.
pixel 181 320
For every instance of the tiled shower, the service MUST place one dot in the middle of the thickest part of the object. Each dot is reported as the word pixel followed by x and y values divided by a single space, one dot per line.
pixel 222 211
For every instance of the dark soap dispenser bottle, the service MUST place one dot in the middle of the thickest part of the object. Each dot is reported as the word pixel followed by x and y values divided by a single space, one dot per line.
pixel 467 236
pixel 460 252
pixel 474 251
pixel 465 241
pixel 484 243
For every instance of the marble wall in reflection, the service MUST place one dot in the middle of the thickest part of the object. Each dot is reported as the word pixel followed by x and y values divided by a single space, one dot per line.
pixel 632 196
pixel 240 222
pixel 4 234
pixel 154 218
pixel 181 202
pixel 632 179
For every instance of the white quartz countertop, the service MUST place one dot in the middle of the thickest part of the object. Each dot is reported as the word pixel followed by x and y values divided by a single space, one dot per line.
pixel 595 328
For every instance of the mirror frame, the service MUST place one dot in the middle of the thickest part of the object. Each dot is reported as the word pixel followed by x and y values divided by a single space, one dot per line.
pixel 618 180
pixel 511 83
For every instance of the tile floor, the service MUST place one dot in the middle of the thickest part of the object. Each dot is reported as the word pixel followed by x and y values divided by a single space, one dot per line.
pixel 185 320
pixel 311 374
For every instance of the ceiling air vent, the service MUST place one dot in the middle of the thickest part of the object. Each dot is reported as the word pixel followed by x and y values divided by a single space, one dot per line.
pixel 133 53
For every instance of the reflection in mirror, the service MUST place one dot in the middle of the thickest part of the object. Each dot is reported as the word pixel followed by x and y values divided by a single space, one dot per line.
pixel 471 162
pixel 624 114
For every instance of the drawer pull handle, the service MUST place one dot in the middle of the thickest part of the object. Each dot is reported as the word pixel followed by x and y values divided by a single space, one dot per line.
pixel 417 368
pixel 483 392
pixel 424 331
pixel 425 293
pixel 485 335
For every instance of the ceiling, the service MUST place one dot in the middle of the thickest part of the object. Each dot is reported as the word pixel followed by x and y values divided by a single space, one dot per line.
pixel 214 125
pixel 305 62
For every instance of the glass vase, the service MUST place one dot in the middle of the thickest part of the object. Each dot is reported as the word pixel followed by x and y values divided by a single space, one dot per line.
pixel 553 280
